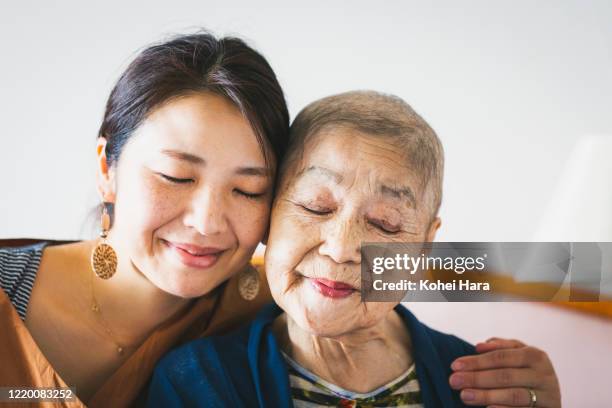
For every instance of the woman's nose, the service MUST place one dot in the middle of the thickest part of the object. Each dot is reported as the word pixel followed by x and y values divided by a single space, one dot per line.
pixel 207 214
pixel 341 242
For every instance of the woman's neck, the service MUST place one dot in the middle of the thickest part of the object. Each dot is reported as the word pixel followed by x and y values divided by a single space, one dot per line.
pixel 360 361
pixel 130 304
pixel 60 315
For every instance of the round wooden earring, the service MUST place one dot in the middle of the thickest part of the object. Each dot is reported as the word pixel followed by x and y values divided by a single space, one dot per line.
pixel 103 256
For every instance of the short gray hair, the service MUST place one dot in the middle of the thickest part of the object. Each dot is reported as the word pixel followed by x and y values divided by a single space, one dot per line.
pixel 377 114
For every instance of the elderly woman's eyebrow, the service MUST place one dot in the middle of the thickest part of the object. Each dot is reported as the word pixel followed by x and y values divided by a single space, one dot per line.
pixel 330 174
pixel 402 192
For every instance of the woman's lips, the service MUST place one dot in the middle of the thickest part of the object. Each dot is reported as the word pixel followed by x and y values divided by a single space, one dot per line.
pixel 195 256
pixel 332 289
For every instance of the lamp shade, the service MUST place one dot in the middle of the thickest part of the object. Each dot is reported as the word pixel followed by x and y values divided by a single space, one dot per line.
pixel 580 210
pixel 581 207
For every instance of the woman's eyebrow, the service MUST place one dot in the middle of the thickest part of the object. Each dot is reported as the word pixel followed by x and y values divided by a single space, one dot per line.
pixel 405 192
pixel 177 154
pixel 191 158
pixel 253 171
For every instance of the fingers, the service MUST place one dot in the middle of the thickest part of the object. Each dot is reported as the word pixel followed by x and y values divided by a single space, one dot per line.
pixel 501 378
pixel 499 339
pixel 495 343
pixel 506 357
pixel 509 397
pixel 501 374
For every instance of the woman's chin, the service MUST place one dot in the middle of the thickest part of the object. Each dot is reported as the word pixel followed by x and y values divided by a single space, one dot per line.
pixel 185 287
pixel 188 281
pixel 188 293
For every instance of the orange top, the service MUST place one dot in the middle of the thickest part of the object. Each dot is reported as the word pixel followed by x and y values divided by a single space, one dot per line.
pixel 24 365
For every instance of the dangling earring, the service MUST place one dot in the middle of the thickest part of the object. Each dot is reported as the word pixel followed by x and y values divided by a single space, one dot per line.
pixel 104 257
pixel 248 283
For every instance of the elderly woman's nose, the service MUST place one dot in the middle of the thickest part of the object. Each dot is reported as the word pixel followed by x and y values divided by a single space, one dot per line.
pixel 206 213
pixel 341 242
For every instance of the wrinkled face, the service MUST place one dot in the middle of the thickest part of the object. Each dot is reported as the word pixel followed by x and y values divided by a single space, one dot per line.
pixel 192 195
pixel 348 188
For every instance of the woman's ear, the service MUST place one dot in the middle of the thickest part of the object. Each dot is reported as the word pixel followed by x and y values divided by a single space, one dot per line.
pixel 433 228
pixel 105 175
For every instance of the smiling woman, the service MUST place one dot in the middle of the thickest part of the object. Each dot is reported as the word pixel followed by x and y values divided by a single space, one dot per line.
pixel 185 195
pixel 186 163
pixel 335 215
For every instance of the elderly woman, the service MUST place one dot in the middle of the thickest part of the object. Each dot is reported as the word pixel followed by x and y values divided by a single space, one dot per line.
pixel 361 167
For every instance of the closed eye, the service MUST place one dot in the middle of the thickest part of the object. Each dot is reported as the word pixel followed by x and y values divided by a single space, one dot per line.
pixel 316 212
pixel 175 179
pixel 252 196
pixel 387 229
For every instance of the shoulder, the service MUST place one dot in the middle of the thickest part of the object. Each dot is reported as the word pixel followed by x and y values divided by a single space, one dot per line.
pixel 19 258
pixel 18 268
pixel 211 371
pixel 192 375
pixel 449 346
pixel 208 354
pixel 204 356
pixel 235 307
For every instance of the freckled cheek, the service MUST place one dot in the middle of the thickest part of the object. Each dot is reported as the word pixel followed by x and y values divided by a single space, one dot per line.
pixel 249 223
pixel 148 206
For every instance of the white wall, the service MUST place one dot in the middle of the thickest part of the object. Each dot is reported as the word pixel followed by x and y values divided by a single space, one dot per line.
pixel 508 85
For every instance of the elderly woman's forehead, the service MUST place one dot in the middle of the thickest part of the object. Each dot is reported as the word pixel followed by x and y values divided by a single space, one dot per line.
pixel 341 133
pixel 345 150
pixel 367 164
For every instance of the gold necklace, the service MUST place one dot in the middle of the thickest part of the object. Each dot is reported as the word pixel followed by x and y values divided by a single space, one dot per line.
pixel 95 307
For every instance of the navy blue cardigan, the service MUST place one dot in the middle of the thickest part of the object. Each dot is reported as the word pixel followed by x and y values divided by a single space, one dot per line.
pixel 246 368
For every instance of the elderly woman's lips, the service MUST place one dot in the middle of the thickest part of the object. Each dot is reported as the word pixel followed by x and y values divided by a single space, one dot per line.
pixel 332 289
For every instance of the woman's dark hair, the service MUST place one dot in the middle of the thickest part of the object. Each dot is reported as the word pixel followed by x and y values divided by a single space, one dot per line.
pixel 198 63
